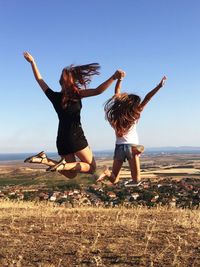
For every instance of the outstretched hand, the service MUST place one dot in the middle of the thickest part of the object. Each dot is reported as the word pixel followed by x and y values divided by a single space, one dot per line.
pixel 162 82
pixel 28 57
pixel 119 74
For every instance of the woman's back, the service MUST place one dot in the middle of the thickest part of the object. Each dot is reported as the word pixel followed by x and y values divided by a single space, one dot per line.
pixel 131 137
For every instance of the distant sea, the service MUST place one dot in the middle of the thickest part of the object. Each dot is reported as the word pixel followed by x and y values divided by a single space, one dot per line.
pixel 107 153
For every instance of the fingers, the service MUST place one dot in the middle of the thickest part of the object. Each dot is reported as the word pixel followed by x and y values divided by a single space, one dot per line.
pixel 25 53
pixel 28 56
pixel 163 80
pixel 123 74
pixel 120 74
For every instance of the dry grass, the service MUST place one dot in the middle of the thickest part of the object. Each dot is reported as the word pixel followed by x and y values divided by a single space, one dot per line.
pixel 44 235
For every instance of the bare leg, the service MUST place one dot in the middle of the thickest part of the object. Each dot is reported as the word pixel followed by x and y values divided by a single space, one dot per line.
pixel 134 164
pixel 87 163
pixel 68 174
pixel 69 158
pixel 41 158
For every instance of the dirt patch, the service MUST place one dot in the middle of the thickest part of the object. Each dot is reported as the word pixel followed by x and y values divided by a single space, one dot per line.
pixel 44 235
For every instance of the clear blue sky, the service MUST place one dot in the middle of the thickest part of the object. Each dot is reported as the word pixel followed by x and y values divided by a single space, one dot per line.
pixel 148 39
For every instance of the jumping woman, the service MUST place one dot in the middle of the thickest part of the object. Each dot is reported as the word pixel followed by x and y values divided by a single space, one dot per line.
pixel 123 112
pixel 71 141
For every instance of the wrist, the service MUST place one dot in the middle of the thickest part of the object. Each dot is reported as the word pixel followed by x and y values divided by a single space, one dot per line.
pixel 114 77
pixel 31 60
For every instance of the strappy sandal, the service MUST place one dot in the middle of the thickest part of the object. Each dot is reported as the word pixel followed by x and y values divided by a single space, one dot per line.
pixel 40 156
pixel 62 162
pixel 131 183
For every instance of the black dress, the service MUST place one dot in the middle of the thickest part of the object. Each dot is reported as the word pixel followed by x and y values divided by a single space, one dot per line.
pixel 70 137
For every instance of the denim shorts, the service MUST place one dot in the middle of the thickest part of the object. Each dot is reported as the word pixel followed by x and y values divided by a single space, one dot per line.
pixel 123 152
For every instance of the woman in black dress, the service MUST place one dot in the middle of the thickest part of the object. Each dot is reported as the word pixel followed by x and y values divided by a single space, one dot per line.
pixel 71 142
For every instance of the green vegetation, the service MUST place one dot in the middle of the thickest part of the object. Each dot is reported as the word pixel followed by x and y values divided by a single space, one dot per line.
pixel 49 180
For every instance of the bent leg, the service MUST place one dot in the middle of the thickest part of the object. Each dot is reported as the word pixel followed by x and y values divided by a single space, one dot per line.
pixel 117 164
pixel 41 158
pixel 134 164
pixel 86 164
pixel 69 174
pixel 87 161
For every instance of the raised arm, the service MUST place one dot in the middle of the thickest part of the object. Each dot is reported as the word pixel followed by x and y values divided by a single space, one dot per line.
pixel 36 72
pixel 152 93
pixel 118 87
pixel 118 84
pixel 102 87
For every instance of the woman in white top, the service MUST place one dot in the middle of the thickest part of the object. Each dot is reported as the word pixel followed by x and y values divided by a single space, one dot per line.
pixel 123 112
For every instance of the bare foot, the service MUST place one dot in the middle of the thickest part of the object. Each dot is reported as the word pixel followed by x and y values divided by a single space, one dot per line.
pixel 105 174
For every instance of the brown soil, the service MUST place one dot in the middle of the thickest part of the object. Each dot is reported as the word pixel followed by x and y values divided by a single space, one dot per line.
pixel 44 235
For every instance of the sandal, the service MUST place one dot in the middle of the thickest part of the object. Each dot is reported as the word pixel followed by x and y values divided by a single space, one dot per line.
pixel 40 156
pixel 131 183
pixel 62 162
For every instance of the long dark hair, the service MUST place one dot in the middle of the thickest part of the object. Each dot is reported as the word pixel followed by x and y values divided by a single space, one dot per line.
pixel 82 76
pixel 122 112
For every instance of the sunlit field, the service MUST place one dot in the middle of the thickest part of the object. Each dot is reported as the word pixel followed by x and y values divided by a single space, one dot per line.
pixel 42 234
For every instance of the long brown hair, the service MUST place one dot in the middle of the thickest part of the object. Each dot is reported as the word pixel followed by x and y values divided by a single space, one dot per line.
pixel 82 76
pixel 122 112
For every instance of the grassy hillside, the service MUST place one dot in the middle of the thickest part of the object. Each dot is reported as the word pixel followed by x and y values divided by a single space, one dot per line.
pixel 22 176
pixel 43 235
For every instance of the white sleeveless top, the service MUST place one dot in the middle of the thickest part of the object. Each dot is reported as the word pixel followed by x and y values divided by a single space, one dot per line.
pixel 131 137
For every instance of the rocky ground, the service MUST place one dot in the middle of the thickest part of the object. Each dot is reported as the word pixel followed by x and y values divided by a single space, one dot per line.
pixel 184 193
